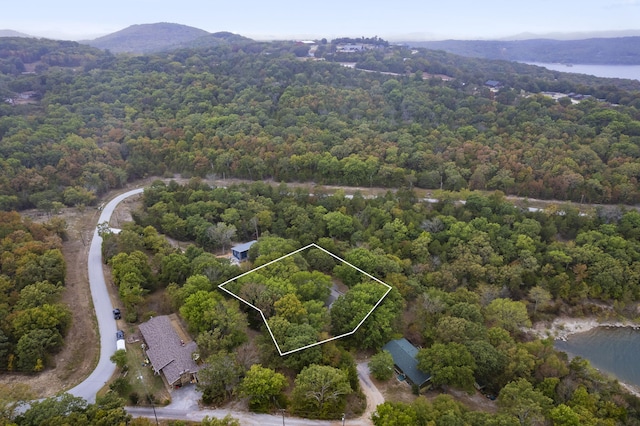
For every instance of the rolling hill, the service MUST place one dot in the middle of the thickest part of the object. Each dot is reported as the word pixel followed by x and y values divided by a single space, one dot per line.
pixel 12 33
pixel 147 38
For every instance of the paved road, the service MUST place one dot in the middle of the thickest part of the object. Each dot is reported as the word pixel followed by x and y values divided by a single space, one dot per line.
pixel 184 406
pixel 246 419
pixel 103 307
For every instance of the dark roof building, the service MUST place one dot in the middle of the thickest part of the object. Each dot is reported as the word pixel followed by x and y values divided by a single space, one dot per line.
pixel 404 358
pixel 168 354
pixel 241 251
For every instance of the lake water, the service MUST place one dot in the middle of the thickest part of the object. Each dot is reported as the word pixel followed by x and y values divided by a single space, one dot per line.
pixel 610 71
pixel 613 350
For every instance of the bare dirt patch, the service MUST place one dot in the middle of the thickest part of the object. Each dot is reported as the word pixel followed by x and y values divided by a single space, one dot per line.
pixel 395 390
pixel 400 391
pixel 474 402
pixel 122 213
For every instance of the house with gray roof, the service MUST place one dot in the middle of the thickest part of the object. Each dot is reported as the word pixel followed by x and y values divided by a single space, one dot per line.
pixel 404 359
pixel 167 353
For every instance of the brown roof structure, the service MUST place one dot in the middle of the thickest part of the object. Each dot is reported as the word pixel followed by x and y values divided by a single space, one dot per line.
pixel 166 351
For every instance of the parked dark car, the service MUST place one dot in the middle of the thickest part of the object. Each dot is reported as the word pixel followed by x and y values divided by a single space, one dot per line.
pixel 116 314
pixel 119 335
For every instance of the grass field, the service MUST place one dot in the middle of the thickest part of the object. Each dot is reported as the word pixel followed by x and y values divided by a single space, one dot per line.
pixel 138 384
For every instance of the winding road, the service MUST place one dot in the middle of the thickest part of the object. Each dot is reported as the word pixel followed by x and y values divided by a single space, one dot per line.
pixel 105 368
pixel 103 308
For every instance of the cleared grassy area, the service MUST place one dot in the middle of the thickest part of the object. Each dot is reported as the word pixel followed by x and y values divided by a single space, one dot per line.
pixel 138 381
pixel 142 380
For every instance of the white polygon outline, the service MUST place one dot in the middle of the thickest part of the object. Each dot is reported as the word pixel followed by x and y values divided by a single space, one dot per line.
pixel 221 286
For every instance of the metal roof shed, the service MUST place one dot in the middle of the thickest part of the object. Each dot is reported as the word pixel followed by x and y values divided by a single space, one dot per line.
pixel 241 251
pixel 404 358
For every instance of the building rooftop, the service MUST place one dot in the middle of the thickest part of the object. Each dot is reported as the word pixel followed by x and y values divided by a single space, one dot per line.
pixel 166 351
pixel 404 357
pixel 243 247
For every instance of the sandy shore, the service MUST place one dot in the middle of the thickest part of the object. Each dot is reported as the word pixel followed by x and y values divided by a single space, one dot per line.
pixel 563 327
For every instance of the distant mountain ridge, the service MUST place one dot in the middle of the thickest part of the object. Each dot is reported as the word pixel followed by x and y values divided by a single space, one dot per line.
pixel 12 33
pixel 601 51
pixel 149 38
pixel 573 35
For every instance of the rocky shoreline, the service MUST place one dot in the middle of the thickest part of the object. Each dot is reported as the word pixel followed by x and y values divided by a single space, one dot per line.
pixel 563 327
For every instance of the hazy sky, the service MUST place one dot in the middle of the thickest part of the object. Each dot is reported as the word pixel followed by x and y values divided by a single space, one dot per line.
pixel 269 19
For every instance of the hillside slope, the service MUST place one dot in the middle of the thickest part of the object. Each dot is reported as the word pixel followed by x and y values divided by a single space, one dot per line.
pixel 146 38
pixel 12 33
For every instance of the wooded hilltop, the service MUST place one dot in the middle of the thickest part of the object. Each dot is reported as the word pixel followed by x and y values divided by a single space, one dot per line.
pixel 467 278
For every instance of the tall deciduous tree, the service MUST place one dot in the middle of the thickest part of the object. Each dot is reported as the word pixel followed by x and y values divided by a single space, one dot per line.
pixel 381 365
pixel 262 386
pixel 521 400
pixel 394 414
pixel 350 310
pixel 207 312
pixel 320 391
pixel 540 297
pixel 42 412
pixel 119 358
pixel 219 378
pixel 449 364
pixel 508 314
pixel 221 235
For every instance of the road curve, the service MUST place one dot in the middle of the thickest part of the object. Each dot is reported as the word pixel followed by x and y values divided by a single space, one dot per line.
pixel 103 308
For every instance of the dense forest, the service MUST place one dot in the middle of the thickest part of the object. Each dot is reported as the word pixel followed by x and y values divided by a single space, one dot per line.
pixel 255 110
pixel 32 274
pixel 467 282
pixel 467 279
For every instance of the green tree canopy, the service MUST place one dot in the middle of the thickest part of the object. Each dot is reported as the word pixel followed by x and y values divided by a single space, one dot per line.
pixel 320 391
pixel 449 364
pixel 508 314
pixel 381 365
pixel 262 386
pixel 521 400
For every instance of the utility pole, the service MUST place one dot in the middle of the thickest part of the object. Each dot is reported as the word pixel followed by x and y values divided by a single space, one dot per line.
pixel 156 416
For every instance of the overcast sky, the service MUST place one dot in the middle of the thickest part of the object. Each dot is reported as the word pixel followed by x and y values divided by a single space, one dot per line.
pixel 276 19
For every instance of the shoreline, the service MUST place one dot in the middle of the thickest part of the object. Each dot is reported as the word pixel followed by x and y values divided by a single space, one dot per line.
pixel 563 327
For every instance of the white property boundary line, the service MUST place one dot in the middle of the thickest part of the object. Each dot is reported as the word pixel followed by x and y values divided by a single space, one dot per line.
pixel 221 286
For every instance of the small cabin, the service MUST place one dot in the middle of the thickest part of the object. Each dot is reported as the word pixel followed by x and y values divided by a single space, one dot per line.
pixel 241 251
pixel 404 359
